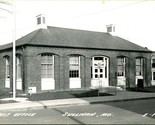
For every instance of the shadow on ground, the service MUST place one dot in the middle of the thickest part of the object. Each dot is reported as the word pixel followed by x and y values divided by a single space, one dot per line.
pixel 145 107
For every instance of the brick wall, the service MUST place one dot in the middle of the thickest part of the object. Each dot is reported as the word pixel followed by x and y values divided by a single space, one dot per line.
pixel 32 66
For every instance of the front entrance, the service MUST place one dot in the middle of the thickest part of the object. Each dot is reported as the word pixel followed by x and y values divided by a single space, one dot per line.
pixel 100 71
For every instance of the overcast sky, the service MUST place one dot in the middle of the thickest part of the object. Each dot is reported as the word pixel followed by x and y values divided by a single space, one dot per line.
pixel 134 19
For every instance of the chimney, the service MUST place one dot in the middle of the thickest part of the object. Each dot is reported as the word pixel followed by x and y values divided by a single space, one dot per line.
pixel 111 29
pixel 41 21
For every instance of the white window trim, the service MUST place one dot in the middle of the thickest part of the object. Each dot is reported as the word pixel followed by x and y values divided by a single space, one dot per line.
pixel 52 67
pixel 78 69
pixel 142 67
pixel 152 75
pixel 152 62
pixel 7 64
pixel 17 63
pixel 124 66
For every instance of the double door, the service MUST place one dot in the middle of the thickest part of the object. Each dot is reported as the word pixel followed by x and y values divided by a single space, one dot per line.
pixel 100 71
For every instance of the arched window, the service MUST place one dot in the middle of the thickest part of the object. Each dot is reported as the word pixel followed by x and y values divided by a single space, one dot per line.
pixel 74 66
pixel 19 66
pixel 7 66
pixel 121 66
pixel 47 66
pixel 139 66
pixel 153 62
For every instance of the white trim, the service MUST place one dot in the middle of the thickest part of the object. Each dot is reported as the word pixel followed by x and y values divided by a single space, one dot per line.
pixel 19 84
pixel 47 84
pixel 138 77
pixel 104 81
pixel 75 83
pixel 7 80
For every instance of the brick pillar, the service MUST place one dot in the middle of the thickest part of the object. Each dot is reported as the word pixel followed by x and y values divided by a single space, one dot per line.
pixel 112 71
pixel 56 72
pixel 62 72
pixel 82 71
pixel 66 72
pixel 132 72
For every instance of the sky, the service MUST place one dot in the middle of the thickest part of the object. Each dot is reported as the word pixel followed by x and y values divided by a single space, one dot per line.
pixel 134 19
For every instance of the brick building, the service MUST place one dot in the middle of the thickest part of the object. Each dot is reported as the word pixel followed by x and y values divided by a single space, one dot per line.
pixel 58 59
pixel 153 68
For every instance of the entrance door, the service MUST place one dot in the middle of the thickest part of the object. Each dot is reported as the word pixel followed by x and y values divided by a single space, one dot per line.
pixel 100 71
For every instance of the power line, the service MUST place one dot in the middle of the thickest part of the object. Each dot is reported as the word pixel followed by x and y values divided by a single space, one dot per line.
pixel 102 11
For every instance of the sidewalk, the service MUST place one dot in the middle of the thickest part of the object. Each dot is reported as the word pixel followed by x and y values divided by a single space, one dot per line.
pixel 120 96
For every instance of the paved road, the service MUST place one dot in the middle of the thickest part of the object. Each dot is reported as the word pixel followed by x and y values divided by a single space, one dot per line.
pixel 130 112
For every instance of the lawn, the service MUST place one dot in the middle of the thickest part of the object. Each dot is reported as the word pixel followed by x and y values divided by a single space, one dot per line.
pixel 65 95
pixel 51 95
pixel 145 89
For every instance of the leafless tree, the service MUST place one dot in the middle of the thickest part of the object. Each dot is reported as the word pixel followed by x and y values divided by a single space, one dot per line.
pixel 5 6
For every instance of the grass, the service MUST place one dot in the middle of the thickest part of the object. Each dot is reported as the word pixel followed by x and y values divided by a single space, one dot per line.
pixel 4 93
pixel 145 89
pixel 65 95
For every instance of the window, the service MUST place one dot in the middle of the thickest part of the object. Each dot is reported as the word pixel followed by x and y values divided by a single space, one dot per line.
pixel 7 67
pixel 39 20
pixel 74 66
pixel 43 20
pixel 47 66
pixel 153 63
pixel 109 29
pixel 153 76
pixel 120 66
pixel 139 66
pixel 19 66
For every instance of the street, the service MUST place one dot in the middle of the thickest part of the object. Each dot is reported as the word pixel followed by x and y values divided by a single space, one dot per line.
pixel 127 112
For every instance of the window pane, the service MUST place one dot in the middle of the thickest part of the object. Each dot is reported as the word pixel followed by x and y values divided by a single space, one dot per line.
pixel 101 75
pixel 138 62
pixel 96 70
pixel 98 58
pixel 96 76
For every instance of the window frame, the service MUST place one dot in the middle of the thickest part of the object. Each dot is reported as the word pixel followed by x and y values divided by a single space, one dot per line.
pixel 19 66
pixel 71 74
pixel 7 67
pixel 153 75
pixel 141 65
pixel 123 66
pixel 48 72
pixel 153 62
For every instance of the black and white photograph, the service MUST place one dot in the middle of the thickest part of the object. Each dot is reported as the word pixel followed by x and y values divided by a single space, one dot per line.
pixel 77 62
